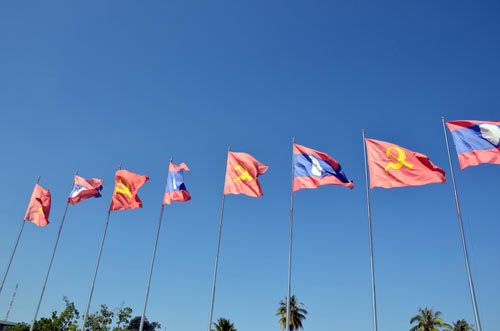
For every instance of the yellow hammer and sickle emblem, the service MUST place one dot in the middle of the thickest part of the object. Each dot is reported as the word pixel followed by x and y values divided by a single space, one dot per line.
pixel 40 210
pixel 244 174
pixel 124 189
pixel 401 158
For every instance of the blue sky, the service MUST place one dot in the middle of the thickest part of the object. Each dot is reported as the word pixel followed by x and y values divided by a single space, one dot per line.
pixel 87 85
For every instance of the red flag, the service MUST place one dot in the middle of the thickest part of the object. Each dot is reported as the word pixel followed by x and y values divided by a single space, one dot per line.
pixel 39 206
pixel 241 175
pixel 393 166
pixel 125 193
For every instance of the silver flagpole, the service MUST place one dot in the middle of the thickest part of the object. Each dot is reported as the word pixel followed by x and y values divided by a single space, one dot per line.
pixel 464 244
pixel 50 263
pixel 152 263
pixel 290 250
pixel 372 266
pixel 14 250
pixel 217 256
pixel 85 317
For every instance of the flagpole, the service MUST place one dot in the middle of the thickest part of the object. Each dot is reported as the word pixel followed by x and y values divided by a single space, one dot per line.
pixel 85 317
pixel 152 264
pixel 50 263
pixel 217 257
pixel 464 244
pixel 290 249
pixel 14 250
pixel 372 266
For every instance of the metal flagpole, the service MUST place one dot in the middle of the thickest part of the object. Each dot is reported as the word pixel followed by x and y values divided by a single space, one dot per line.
pixel 464 244
pixel 152 264
pixel 217 257
pixel 372 266
pixel 50 263
pixel 14 250
pixel 85 317
pixel 290 250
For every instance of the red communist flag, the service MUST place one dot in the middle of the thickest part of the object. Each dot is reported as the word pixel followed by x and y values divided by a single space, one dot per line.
pixel 393 166
pixel 241 175
pixel 39 206
pixel 125 193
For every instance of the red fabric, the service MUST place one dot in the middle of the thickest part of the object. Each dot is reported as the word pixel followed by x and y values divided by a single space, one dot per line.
pixel 93 183
pixel 476 157
pixel 39 206
pixel 181 196
pixel 414 168
pixel 314 182
pixel 241 175
pixel 455 125
pixel 177 167
pixel 125 193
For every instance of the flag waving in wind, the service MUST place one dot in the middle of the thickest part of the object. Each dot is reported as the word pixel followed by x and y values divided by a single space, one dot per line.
pixel 394 166
pixel 241 175
pixel 39 206
pixel 176 190
pixel 84 189
pixel 313 169
pixel 125 193
pixel 476 142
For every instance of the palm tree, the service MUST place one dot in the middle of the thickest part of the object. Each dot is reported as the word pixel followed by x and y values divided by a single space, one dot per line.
pixel 297 314
pixel 427 320
pixel 224 324
pixel 460 325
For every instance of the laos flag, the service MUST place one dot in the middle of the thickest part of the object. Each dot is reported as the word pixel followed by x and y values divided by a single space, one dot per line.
pixel 176 190
pixel 313 169
pixel 83 189
pixel 476 142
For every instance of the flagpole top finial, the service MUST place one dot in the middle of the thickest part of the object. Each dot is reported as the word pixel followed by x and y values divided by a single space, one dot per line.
pixel 228 148
pixel 171 158
pixel 38 180
pixel 120 166
pixel 442 117
pixel 363 130
pixel 76 172
pixel 293 140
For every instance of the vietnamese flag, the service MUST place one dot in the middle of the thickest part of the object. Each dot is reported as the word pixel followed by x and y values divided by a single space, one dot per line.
pixel 241 175
pixel 125 193
pixel 394 166
pixel 38 207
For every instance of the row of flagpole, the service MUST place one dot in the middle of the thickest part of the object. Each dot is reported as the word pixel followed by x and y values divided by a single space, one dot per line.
pixel 233 185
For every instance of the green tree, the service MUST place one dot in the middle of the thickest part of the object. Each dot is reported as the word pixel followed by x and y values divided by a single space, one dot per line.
pixel 297 314
pixel 18 327
pixel 122 318
pixel 224 324
pixel 100 320
pixel 460 325
pixel 427 320
pixel 135 323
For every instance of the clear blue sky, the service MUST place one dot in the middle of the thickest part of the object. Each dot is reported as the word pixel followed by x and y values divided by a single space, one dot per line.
pixel 88 84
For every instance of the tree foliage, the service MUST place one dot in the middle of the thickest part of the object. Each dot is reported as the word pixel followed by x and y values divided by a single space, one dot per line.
pixel 427 320
pixel 224 324
pixel 135 323
pixel 460 325
pixel 297 314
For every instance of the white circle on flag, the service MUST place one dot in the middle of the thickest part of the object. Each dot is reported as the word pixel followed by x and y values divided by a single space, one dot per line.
pixel 490 132
pixel 316 168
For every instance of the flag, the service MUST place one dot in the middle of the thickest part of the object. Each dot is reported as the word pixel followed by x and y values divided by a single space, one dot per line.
pixel 476 142
pixel 125 193
pixel 84 189
pixel 241 175
pixel 394 166
pixel 38 207
pixel 313 169
pixel 176 190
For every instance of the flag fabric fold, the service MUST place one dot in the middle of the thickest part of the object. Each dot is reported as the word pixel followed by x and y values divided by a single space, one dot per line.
pixel 125 193
pixel 84 189
pixel 476 142
pixel 394 166
pixel 313 169
pixel 241 174
pixel 39 206
pixel 176 190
